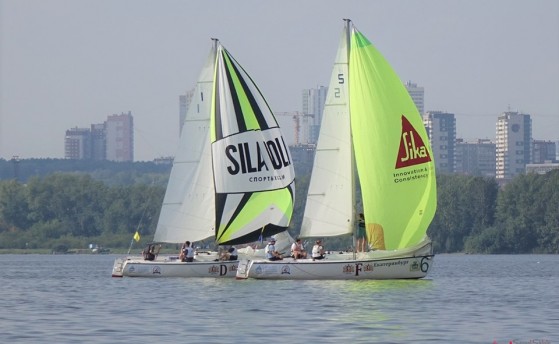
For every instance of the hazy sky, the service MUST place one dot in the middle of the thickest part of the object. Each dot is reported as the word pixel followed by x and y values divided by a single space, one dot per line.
pixel 68 63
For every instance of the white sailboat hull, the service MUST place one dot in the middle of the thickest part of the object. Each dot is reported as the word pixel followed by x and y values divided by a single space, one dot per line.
pixel 165 267
pixel 204 265
pixel 413 263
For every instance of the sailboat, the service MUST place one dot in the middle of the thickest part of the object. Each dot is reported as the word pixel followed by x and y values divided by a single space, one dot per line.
pixel 372 134
pixel 232 177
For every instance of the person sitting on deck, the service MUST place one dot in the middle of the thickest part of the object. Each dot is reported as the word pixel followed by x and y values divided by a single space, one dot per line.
pixel 230 254
pixel 318 251
pixel 187 253
pixel 270 250
pixel 182 251
pixel 149 252
pixel 297 250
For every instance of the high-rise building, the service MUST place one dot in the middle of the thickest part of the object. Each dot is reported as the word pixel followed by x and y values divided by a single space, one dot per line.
pixel 119 131
pixel 111 140
pixel 313 106
pixel 476 158
pixel 417 94
pixel 98 142
pixel 544 151
pixel 441 129
pixel 77 143
pixel 514 144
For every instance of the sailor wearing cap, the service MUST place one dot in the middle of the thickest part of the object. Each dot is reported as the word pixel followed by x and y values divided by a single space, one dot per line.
pixel 271 253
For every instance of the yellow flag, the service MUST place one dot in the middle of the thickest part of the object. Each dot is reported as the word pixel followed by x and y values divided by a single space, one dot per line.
pixel 137 236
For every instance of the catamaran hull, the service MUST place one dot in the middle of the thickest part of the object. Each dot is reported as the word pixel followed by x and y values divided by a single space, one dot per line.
pixel 358 269
pixel 142 268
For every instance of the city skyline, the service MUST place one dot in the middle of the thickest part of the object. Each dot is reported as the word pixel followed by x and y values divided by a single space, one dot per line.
pixel 67 64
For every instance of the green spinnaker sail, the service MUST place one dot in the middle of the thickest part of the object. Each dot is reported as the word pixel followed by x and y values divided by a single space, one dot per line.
pixel 392 151
pixel 253 171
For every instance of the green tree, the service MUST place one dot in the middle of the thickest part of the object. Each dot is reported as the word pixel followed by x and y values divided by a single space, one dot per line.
pixel 133 208
pixel 519 213
pixel 465 206
pixel 13 205
pixel 77 201
pixel 548 233
pixel 528 213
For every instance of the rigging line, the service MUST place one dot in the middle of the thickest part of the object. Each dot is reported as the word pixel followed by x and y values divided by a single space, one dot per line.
pixel 143 213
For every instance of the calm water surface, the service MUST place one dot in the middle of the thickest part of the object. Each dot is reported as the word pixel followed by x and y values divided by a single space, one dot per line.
pixel 465 299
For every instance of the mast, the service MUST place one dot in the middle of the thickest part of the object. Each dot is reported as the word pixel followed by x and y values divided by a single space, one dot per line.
pixel 352 153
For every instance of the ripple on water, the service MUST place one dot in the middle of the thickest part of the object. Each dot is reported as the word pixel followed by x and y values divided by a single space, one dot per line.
pixel 466 299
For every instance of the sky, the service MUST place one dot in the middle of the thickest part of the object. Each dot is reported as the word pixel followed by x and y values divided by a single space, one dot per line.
pixel 71 63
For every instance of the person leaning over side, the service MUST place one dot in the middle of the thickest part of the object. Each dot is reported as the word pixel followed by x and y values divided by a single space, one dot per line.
pixel 318 251
pixel 270 250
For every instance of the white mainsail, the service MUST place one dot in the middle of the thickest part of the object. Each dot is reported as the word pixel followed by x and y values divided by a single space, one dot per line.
pixel 329 210
pixel 188 210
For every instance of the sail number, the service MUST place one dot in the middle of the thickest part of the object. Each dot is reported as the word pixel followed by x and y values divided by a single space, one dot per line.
pixel 424 265
pixel 341 80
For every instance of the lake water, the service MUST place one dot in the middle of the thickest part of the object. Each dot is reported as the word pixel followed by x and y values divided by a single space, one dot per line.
pixel 465 299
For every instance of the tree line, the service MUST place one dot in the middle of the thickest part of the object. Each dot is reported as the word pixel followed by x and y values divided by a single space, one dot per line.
pixel 474 214
pixel 110 172
pixel 64 211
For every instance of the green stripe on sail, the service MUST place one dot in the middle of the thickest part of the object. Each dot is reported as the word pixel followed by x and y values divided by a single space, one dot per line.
pixel 213 103
pixel 258 204
pixel 398 206
pixel 248 113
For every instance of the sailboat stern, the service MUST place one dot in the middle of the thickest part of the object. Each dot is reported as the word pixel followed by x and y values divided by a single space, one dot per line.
pixel 118 267
pixel 243 269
